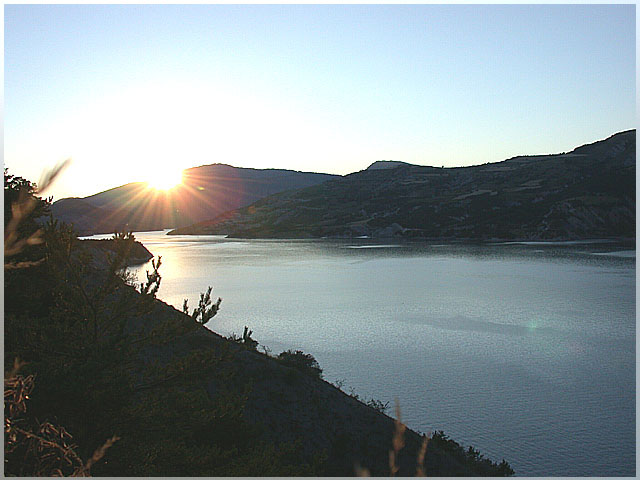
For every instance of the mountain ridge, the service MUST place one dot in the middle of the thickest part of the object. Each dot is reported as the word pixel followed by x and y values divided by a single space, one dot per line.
pixel 206 191
pixel 588 192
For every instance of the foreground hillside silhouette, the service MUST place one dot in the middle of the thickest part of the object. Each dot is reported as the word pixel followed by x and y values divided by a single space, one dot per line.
pixel 102 378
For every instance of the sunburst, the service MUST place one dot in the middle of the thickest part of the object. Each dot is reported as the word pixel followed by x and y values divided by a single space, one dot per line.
pixel 164 179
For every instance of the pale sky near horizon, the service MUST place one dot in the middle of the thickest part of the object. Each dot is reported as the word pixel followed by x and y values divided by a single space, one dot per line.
pixel 128 89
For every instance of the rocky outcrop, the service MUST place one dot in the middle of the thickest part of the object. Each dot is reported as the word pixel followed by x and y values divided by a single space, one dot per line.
pixel 384 164
pixel 102 251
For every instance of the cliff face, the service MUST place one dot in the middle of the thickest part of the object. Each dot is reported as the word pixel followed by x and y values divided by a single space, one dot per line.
pixel 586 193
pixel 206 191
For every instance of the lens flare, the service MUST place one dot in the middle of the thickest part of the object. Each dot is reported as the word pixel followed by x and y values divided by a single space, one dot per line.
pixel 164 179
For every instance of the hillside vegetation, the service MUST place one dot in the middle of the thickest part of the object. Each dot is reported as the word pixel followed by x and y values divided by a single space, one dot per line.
pixel 102 378
pixel 586 193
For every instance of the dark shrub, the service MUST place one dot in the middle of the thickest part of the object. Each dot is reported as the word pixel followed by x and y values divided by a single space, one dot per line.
pixel 302 361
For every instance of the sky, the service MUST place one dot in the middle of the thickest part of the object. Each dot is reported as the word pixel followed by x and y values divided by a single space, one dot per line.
pixel 133 92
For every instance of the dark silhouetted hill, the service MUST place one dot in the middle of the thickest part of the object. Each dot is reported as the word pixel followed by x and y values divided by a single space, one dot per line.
pixel 586 193
pixel 206 192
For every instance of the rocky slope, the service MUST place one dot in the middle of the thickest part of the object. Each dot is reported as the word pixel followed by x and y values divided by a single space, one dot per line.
pixel 586 193
pixel 206 191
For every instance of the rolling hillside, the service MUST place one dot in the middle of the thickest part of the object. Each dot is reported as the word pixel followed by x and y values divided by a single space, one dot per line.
pixel 586 193
pixel 206 192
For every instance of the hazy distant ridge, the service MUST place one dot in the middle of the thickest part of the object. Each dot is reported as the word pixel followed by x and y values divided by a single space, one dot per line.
pixel 206 191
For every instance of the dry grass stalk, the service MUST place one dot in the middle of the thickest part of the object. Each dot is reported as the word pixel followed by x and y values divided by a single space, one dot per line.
pixel 50 444
pixel 421 453
pixel 21 210
pixel 16 391
pixel 99 453
pixel 17 365
pixel 397 442
pixel 16 265
pixel 48 176
pixel 56 450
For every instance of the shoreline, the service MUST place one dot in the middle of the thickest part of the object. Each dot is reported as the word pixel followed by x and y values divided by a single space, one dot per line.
pixel 447 240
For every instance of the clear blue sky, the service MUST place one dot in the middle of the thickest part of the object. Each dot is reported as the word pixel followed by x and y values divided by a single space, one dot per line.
pixel 128 90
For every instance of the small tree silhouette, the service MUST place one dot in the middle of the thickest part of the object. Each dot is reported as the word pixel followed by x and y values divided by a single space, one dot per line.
pixel 205 310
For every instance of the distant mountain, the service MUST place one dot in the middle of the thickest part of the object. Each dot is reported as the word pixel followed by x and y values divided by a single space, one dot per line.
pixel 384 164
pixel 206 192
pixel 587 193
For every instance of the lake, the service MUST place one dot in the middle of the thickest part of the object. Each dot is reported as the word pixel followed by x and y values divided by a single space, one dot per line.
pixel 524 350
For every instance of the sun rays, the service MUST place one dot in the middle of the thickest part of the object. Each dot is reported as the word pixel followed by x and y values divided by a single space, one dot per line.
pixel 173 200
pixel 164 179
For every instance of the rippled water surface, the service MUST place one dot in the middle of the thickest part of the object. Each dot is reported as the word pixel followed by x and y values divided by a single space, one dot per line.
pixel 524 350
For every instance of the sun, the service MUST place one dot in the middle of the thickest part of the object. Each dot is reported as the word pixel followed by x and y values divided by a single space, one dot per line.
pixel 164 179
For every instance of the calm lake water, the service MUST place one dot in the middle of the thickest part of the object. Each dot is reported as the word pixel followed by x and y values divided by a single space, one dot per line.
pixel 525 351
